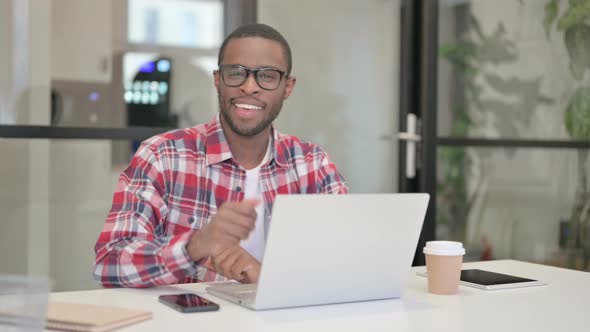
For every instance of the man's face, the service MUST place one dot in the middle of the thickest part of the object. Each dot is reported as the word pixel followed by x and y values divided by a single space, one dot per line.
pixel 247 110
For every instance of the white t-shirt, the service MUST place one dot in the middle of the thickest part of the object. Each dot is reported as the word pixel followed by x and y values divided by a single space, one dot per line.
pixel 256 242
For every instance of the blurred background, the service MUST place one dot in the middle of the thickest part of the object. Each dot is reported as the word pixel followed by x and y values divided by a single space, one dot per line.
pixel 499 90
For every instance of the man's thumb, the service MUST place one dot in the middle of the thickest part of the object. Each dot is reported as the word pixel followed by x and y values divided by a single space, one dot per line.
pixel 254 202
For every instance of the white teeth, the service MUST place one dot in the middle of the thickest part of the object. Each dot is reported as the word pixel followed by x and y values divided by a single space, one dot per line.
pixel 250 107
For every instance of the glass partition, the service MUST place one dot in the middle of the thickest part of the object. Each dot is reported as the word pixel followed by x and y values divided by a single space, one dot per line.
pixel 116 64
pixel 507 203
pixel 513 69
pixel 54 197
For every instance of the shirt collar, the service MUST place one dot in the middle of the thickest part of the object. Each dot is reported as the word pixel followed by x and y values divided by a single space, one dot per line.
pixel 217 148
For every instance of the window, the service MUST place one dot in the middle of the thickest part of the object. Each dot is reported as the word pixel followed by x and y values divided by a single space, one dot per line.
pixel 180 23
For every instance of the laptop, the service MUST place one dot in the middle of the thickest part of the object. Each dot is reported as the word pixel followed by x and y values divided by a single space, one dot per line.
pixel 324 249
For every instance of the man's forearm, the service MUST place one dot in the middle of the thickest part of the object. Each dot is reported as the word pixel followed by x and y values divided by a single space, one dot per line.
pixel 143 263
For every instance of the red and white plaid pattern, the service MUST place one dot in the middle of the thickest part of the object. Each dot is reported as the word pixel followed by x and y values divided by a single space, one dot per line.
pixel 173 187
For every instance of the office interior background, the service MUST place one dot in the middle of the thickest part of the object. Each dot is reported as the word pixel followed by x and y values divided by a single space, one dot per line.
pixel 505 95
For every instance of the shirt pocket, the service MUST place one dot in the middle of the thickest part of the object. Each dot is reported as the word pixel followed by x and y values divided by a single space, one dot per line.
pixel 180 221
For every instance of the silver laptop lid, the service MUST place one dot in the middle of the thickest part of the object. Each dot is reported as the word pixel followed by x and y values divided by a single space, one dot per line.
pixel 339 248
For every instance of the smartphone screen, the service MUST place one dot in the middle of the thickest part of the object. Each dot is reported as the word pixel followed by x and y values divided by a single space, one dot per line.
pixel 488 278
pixel 188 302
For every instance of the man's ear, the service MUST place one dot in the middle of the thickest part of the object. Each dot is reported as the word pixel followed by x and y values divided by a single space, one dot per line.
pixel 216 79
pixel 290 86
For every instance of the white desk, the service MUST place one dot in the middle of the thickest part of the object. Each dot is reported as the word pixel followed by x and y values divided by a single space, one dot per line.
pixel 563 305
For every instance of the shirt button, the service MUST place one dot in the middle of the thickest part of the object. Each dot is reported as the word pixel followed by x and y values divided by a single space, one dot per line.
pixel 238 188
pixel 191 220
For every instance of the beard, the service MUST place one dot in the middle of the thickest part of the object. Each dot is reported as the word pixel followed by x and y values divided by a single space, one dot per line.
pixel 253 130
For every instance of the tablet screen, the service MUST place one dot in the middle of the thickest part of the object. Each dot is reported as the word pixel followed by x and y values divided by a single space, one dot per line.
pixel 488 278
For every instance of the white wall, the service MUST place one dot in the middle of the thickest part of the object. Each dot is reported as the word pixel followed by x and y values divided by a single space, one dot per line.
pixel 345 58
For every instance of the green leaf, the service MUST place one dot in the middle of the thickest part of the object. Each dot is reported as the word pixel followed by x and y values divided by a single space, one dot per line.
pixel 461 126
pixel 577 41
pixel 551 10
pixel 577 115
pixel 569 121
pixel 575 14
pixel 459 54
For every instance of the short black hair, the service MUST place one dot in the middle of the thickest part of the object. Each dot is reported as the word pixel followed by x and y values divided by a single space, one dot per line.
pixel 262 31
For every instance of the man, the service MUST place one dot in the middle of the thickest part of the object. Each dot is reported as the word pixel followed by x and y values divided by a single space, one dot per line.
pixel 195 204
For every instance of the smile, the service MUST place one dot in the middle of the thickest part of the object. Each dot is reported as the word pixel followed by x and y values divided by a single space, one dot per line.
pixel 248 106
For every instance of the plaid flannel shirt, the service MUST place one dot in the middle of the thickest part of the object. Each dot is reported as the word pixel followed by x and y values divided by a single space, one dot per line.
pixel 173 187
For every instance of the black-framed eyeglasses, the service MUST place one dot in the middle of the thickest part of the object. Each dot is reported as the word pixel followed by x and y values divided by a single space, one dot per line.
pixel 236 75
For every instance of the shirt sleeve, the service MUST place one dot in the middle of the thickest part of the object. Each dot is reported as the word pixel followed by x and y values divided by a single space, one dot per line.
pixel 131 250
pixel 329 179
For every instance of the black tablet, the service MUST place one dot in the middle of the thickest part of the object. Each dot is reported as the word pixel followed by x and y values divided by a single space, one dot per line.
pixel 492 280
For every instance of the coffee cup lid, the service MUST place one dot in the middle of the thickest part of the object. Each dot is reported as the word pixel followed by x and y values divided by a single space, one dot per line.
pixel 444 248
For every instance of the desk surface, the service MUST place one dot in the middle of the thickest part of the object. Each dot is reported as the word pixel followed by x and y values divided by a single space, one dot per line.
pixel 562 305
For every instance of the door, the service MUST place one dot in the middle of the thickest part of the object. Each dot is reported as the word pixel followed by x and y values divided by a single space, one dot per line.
pixel 417 115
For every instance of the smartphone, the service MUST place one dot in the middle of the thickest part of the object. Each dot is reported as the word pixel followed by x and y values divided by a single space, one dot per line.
pixel 188 302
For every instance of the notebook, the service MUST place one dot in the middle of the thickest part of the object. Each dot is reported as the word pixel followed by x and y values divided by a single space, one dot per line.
pixel 324 249
pixel 93 318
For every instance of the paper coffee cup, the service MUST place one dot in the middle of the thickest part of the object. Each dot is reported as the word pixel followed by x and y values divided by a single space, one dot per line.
pixel 443 264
